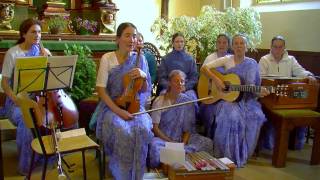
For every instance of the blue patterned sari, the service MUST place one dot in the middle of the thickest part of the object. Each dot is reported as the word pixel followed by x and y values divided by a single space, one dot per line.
pixel 126 142
pixel 235 126
pixel 174 122
pixel 24 135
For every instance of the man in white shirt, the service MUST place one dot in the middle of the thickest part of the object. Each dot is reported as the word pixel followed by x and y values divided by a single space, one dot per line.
pixel 279 63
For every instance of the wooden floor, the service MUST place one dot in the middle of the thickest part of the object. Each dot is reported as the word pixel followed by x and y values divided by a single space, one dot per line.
pixel 257 168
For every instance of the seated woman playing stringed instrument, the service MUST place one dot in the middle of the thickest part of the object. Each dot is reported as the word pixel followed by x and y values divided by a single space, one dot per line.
pixel 176 124
pixel 27 45
pixel 237 124
pixel 124 136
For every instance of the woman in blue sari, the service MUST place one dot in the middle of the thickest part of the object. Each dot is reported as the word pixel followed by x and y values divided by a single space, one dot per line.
pixel 27 45
pixel 175 124
pixel 237 124
pixel 178 58
pixel 206 111
pixel 125 137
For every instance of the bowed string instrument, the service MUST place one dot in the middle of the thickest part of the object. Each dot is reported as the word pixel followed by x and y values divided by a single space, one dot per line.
pixel 129 100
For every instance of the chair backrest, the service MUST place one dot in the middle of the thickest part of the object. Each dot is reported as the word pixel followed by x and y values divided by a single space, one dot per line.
pixel 30 110
pixel 147 46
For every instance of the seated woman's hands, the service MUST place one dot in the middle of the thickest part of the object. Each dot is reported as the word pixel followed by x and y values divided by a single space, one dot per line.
pixel 220 85
pixel 264 92
pixel 137 73
pixel 124 114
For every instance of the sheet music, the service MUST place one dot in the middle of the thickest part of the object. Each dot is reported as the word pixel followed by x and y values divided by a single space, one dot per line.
pixel 29 74
pixel 73 133
pixel 61 72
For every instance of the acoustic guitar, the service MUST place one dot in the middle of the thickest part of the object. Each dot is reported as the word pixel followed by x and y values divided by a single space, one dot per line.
pixel 206 87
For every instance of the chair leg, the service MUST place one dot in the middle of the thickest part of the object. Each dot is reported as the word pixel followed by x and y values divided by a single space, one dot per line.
pixel 100 166
pixel 84 165
pixel 44 170
pixel 103 162
pixel 308 135
pixel 31 165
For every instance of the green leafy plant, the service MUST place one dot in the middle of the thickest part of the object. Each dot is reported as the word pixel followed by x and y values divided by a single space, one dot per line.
pixel 85 73
pixel 57 24
pixel 201 32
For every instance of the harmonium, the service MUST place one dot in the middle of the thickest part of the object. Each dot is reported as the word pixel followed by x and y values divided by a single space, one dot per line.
pixel 202 166
pixel 289 93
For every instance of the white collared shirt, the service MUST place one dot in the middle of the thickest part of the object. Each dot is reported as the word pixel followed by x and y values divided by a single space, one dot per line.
pixel 288 66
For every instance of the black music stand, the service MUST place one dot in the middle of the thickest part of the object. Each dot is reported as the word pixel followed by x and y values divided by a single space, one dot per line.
pixel 45 74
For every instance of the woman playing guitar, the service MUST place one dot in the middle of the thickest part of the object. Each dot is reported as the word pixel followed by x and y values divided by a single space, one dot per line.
pixel 237 124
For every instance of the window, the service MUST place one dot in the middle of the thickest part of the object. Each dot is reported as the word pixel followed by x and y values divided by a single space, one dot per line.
pixel 278 1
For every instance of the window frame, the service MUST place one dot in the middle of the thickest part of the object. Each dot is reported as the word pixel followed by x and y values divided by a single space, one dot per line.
pixel 260 2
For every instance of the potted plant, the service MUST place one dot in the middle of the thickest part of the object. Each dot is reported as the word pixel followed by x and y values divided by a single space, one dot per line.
pixel 57 24
pixel 85 72
pixel 84 26
pixel 201 32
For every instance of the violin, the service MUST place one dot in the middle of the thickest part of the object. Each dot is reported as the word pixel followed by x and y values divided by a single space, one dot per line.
pixel 129 100
pixel 60 108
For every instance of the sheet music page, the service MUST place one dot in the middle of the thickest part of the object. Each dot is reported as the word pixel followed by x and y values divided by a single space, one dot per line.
pixel 61 72
pixel 29 74
pixel 73 133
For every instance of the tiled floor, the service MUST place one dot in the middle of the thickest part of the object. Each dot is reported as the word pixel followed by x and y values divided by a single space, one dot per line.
pixel 257 168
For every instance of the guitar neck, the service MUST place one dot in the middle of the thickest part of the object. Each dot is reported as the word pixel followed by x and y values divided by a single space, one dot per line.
pixel 249 88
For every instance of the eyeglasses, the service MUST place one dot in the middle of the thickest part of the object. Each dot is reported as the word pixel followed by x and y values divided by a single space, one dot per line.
pixel 179 82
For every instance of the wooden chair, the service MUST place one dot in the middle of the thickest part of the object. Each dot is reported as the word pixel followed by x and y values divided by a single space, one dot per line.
pixel 44 145
pixel 151 48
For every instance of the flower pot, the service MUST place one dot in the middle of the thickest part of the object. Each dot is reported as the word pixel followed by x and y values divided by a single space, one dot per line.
pixel 83 31
pixel 55 30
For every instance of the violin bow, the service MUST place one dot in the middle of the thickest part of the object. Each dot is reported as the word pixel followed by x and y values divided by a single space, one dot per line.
pixel 173 105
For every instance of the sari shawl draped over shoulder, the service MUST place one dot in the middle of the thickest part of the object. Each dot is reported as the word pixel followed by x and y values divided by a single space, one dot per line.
pixel 126 142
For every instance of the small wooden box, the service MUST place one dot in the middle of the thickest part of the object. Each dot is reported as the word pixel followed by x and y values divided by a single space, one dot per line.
pixel 183 174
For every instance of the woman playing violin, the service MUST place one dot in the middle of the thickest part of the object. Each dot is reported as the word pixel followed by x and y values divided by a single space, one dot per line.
pixel 124 136
pixel 237 124
pixel 176 124
pixel 27 45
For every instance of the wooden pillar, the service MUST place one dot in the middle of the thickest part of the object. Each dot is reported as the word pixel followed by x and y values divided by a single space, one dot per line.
pixel 164 9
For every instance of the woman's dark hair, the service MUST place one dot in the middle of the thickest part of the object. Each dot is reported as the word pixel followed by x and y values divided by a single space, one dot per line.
pixel 139 34
pixel 123 26
pixel 225 36
pixel 228 39
pixel 176 35
pixel 24 28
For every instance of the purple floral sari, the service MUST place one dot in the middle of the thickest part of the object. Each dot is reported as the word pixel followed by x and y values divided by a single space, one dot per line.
pixel 235 126
pixel 126 142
